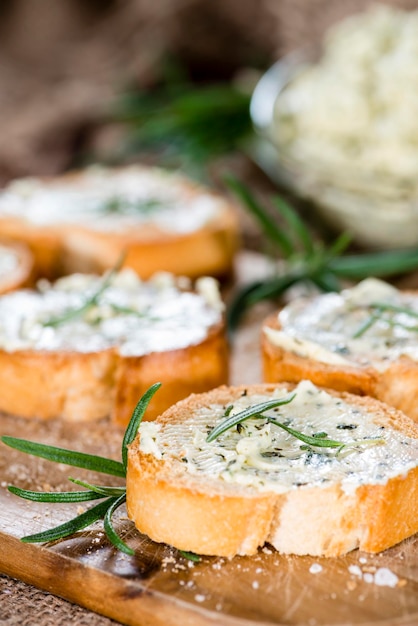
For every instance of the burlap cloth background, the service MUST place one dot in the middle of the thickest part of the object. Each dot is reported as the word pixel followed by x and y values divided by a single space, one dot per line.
pixel 63 62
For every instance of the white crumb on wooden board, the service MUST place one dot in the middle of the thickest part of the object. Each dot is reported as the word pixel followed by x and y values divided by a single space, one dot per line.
pixel 383 576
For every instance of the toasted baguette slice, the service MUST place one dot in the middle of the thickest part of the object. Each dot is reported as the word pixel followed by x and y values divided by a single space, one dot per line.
pixel 327 338
pixel 84 221
pixel 256 483
pixel 89 346
pixel 16 266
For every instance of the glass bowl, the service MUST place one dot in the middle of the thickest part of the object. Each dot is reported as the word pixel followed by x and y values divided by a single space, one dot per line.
pixel 380 212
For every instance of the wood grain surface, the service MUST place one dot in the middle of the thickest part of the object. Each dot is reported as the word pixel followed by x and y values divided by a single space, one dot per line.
pixel 158 586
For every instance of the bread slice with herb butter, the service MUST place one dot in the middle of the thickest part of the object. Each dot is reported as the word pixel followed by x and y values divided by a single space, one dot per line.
pixel 257 482
pixel 363 340
pixel 89 346
pixel 85 220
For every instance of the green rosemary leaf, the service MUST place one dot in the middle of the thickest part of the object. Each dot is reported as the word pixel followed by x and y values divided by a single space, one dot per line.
pixel 396 324
pixel 135 421
pixel 90 301
pixel 115 496
pixel 251 411
pixel 239 304
pixel 69 528
pixel 128 311
pixel 109 529
pixel 274 287
pixel 295 224
pixel 326 281
pixel 122 204
pixel 257 292
pixel 379 264
pixel 317 442
pixel 100 490
pixel 54 496
pixel 320 440
pixel 340 244
pixel 192 122
pixel 386 306
pixel 68 457
pixel 370 321
pixel 377 314
pixel 272 230
pixel 317 263
pixel 190 556
pixel 69 315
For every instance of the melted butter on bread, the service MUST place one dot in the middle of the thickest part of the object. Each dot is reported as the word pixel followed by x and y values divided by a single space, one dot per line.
pixel 110 199
pixel 234 493
pixel 263 457
pixel 139 317
pixel 323 328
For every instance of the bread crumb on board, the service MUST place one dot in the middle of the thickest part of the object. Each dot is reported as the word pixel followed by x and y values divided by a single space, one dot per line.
pixel 315 568
pixel 381 576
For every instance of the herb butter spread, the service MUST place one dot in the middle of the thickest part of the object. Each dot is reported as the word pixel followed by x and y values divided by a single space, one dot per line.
pixel 105 200
pixel 88 313
pixel 260 455
pixel 354 112
pixel 9 261
pixel 370 324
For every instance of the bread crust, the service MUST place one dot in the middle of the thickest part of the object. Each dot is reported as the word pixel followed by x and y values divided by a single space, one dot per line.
pixel 397 385
pixel 70 385
pixel 213 517
pixel 77 386
pixel 43 243
pixel 67 248
pixel 207 251
pixel 23 274
pixel 193 369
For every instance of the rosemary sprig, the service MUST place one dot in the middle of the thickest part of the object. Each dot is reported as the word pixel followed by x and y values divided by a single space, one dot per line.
pixel 90 302
pixel 318 440
pixel 386 306
pixel 238 418
pixel 377 311
pixel 187 123
pixel 67 457
pixel 115 496
pixel 120 204
pixel 78 523
pixel 305 259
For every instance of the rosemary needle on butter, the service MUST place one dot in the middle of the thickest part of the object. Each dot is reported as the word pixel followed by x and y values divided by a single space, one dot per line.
pixel 89 302
pixel 385 312
pixel 318 440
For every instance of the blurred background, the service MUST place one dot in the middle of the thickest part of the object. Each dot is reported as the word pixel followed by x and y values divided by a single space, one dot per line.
pixel 66 66
pixel 170 82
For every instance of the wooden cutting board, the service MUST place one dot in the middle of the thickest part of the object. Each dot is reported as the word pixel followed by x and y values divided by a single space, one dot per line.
pixel 158 586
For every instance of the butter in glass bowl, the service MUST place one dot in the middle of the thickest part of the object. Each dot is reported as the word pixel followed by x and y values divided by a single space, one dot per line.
pixel 341 127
